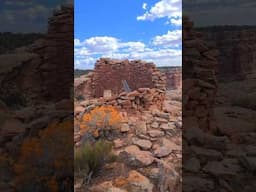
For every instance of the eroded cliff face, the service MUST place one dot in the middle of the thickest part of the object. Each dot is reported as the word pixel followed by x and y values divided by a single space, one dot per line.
pixel 237 47
pixel 34 72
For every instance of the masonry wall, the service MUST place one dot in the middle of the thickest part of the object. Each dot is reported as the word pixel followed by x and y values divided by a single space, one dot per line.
pixel 108 75
pixel 199 80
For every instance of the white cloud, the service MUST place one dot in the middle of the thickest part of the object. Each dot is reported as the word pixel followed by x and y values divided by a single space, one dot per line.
pixel 177 21
pixel 133 46
pixel 85 63
pixel 171 39
pixel 164 8
pixel 83 51
pixel 117 55
pixel 164 50
pixel 106 45
pixel 162 57
pixel 157 54
pixel 102 44
pixel 144 6
pixel 77 42
pixel 89 50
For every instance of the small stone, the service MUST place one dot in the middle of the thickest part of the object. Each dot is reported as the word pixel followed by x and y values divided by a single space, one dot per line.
pixel 154 125
pixel 163 115
pixel 141 127
pixel 125 128
pixel 145 158
pixel 178 124
pixel 106 186
pixel 160 120
pixel 78 110
pixel 154 173
pixel 170 144
pixel 77 138
pixel 144 137
pixel 138 183
pixel 142 143
pixel 118 143
pixel 164 126
pixel 156 133
pixel 162 151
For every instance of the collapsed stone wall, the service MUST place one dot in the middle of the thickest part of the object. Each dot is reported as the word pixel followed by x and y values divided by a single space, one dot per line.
pixel 38 75
pixel 138 100
pixel 199 79
pixel 109 74
pixel 57 49
pixel 83 86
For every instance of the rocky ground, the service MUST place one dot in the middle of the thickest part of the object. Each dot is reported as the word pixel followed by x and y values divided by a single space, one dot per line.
pixel 148 151
pixel 226 161
pixel 21 126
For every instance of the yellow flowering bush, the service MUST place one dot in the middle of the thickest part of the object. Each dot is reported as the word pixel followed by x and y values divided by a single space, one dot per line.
pixel 100 119
pixel 46 162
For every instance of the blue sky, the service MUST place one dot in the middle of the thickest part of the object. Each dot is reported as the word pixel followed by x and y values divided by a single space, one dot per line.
pixel 139 29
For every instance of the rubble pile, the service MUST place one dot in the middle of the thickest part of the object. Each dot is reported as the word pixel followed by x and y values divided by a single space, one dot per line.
pixel 141 99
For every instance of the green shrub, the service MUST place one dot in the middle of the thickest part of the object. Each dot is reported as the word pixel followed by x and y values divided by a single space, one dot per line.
pixel 89 158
